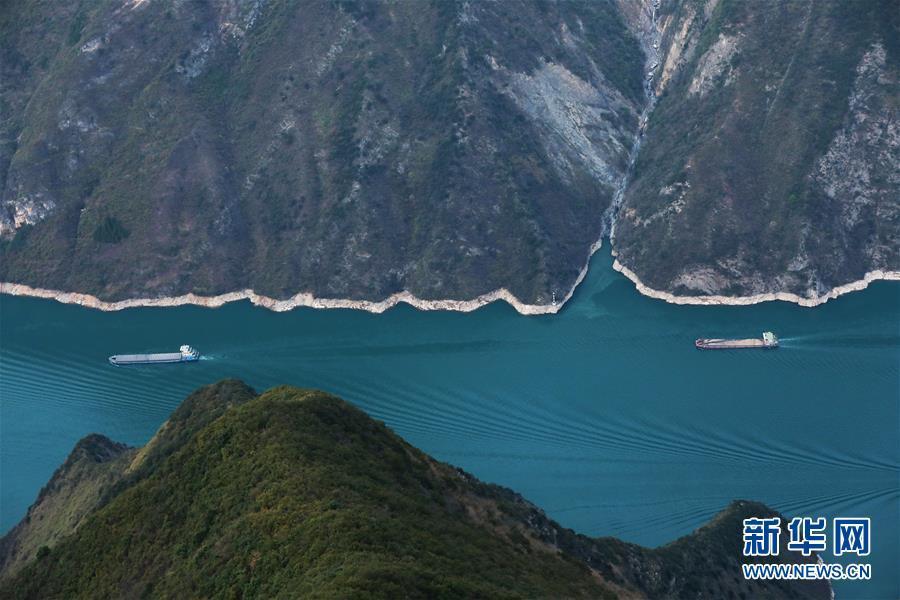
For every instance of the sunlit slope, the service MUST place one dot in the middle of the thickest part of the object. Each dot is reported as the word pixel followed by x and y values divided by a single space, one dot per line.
pixel 297 493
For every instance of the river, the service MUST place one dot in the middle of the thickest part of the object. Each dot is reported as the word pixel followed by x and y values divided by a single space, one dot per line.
pixel 604 415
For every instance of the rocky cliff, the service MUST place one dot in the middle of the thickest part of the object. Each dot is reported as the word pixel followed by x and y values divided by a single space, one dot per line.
pixel 771 162
pixel 447 150
pixel 296 493
pixel 345 149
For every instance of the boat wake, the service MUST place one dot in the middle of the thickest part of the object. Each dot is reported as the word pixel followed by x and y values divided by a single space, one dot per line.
pixel 830 341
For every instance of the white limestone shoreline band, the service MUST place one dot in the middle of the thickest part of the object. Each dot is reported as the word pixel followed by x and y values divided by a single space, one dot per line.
pixel 303 299
pixel 853 286
pixel 306 299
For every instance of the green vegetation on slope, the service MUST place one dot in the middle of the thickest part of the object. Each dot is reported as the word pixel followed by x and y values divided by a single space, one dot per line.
pixel 449 148
pixel 94 467
pixel 347 149
pixel 98 469
pixel 770 162
pixel 295 493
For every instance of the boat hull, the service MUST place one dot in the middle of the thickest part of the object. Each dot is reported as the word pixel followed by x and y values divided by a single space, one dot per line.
pixel 149 359
pixel 720 344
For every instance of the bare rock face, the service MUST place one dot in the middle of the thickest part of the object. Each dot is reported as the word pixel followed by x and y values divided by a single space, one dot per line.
pixel 572 116
pixel 714 67
pixel 679 25
pixel 860 172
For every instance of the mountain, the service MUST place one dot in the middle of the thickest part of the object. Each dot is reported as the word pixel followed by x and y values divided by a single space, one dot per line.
pixel 347 149
pixel 356 149
pixel 771 161
pixel 94 466
pixel 449 148
pixel 297 493
pixel 98 468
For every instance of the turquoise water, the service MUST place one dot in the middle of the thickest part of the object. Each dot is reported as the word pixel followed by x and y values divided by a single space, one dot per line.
pixel 605 415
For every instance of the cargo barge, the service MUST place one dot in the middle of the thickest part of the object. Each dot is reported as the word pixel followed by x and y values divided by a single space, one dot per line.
pixel 184 354
pixel 768 340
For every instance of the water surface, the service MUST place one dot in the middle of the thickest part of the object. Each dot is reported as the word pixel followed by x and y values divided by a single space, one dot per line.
pixel 605 415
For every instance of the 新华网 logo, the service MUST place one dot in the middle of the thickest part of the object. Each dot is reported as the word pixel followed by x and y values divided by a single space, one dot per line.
pixel 806 535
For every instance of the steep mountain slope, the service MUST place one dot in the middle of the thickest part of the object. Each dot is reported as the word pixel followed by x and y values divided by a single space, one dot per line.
pixel 771 162
pixel 98 468
pixel 94 466
pixel 296 493
pixel 348 149
pixel 353 150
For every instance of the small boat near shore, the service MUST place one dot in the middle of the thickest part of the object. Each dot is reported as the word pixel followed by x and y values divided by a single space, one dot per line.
pixel 768 340
pixel 184 354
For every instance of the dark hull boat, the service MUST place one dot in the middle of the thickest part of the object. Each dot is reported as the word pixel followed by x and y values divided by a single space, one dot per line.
pixel 768 340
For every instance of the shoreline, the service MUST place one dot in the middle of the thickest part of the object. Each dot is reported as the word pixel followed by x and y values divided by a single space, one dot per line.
pixel 853 286
pixel 308 300
pixel 302 299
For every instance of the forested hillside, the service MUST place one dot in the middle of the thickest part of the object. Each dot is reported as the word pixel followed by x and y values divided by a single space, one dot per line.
pixel 295 493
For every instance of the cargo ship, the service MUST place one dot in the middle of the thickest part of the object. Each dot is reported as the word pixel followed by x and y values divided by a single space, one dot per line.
pixel 768 340
pixel 184 354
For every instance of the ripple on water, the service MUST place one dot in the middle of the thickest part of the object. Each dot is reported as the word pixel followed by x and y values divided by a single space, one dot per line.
pixel 604 414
